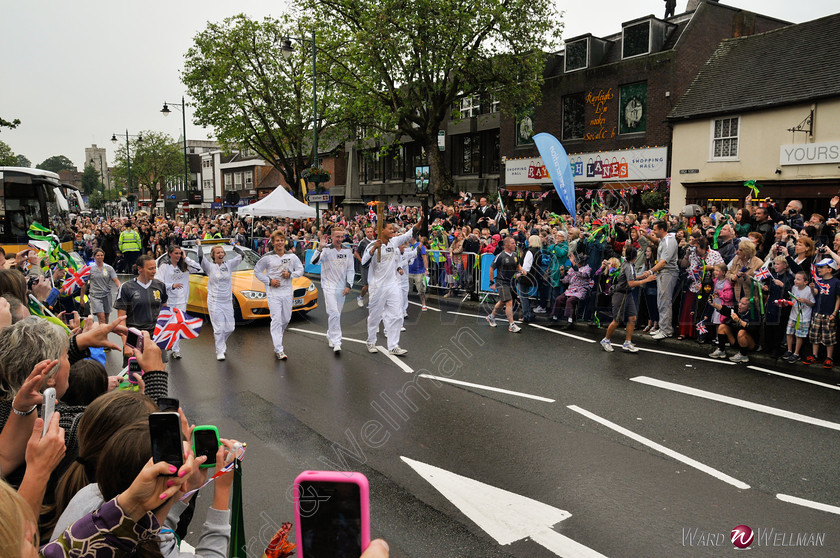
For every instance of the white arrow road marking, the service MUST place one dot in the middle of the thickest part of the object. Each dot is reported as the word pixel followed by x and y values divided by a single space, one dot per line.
pixel 396 360
pixel 807 503
pixel 505 516
pixel 558 332
pixel 736 402
pixel 797 378
pixel 662 449
pixel 488 388
pixel 300 330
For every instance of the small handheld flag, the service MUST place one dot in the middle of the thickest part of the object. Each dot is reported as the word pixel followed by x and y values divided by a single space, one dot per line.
pixel 701 328
pixel 174 324
pixel 75 279
pixel 762 274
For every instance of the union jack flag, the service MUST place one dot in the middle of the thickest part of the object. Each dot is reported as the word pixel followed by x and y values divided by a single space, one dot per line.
pixel 174 324
pixel 588 194
pixel 75 279
pixel 701 328
pixel 762 274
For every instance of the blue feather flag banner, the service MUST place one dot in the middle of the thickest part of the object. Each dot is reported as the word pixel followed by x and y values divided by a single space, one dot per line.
pixel 556 161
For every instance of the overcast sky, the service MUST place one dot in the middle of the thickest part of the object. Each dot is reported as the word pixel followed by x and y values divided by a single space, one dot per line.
pixel 76 72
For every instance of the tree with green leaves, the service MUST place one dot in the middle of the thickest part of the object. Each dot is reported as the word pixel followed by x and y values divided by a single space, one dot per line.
pixel 251 95
pixel 22 161
pixel 400 66
pixel 9 124
pixel 7 156
pixel 155 161
pixel 90 180
pixel 56 163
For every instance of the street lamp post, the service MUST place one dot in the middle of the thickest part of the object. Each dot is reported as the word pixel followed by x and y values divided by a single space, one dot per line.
pixel 286 50
pixel 165 110
pixel 127 153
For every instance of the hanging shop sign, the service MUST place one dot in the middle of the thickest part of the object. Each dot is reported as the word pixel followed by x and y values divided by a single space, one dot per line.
pixel 630 165
pixel 810 153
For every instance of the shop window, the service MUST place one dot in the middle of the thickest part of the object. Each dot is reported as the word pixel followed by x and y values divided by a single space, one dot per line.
pixel 574 113
pixel 636 40
pixel 725 139
pixel 577 54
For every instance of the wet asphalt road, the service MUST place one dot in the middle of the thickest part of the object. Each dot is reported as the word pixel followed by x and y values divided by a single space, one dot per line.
pixel 321 411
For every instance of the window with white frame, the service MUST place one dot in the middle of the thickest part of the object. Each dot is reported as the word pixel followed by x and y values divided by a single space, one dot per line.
pixel 725 138
pixel 237 181
pixel 470 106
pixel 228 181
pixel 249 179
pixel 577 55
pixel 636 40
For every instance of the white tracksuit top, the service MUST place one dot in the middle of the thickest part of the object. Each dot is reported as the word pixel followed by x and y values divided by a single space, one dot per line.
pixel 383 271
pixel 219 288
pixel 337 267
pixel 170 276
pixel 271 266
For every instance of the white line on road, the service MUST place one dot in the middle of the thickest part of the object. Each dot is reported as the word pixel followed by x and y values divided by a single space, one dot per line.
pixel 683 355
pixel 396 360
pixel 797 378
pixel 808 503
pixel 736 402
pixel 476 316
pixel 300 330
pixel 488 388
pixel 662 449
pixel 558 332
pixel 420 305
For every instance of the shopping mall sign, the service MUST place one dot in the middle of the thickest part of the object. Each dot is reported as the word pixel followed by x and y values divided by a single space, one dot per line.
pixel 631 165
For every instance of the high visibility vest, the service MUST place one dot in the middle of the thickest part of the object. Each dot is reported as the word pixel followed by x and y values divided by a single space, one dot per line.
pixel 130 241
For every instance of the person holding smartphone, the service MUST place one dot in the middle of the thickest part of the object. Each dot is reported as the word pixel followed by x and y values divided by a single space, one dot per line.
pixel 176 276
pixel 277 271
pixel 220 293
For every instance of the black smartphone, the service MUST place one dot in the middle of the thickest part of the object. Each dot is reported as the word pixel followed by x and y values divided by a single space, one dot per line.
pixel 206 442
pixel 168 404
pixel 165 431
pixel 332 511
pixel 65 318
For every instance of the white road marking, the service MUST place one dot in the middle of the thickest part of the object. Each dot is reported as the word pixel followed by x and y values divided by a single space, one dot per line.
pixel 808 503
pixel 558 332
pixel 488 388
pixel 684 355
pixel 300 330
pixel 662 449
pixel 797 378
pixel 396 360
pixel 502 321
pixel 506 516
pixel 420 305
pixel 736 402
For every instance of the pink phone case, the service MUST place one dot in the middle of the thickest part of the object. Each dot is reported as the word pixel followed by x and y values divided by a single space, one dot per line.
pixel 334 476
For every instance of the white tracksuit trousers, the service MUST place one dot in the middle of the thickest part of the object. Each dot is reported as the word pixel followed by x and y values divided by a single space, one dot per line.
pixel 176 346
pixel 405 288
pixel 221 316
pixel 386 305
pixel 334 300
pixel 281 313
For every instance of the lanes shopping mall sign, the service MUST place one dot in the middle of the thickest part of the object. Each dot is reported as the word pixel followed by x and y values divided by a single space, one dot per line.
pixel 810 153
pixel 630 165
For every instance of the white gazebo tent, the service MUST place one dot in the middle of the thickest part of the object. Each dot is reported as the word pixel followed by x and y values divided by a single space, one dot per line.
pixel 279 203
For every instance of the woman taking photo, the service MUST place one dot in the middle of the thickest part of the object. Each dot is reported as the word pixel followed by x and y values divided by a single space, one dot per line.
pixel 176 276
pixel 220 292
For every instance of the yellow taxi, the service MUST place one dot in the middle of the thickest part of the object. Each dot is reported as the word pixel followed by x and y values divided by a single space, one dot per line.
pixel 249 298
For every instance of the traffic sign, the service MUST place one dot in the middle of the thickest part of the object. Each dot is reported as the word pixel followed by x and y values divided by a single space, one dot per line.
pixel 318 198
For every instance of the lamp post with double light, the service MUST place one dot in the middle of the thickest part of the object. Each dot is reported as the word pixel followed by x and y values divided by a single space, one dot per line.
pixel 287 50
pixel 114 140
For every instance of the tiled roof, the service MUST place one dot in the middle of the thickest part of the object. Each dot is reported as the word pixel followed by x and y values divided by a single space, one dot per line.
pixel 792 64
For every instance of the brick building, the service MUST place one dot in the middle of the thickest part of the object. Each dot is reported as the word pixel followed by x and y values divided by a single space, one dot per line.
pixel 607 100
